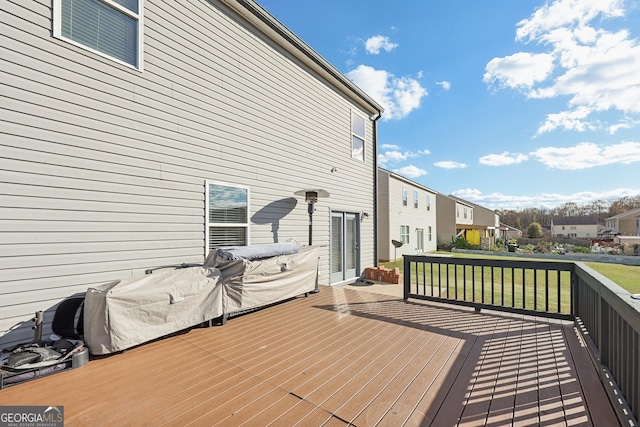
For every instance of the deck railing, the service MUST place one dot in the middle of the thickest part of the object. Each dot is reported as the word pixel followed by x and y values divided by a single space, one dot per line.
pixel 606 314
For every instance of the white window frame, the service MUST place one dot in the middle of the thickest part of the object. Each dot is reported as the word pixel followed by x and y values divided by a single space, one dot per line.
pixel 404 234
pixel 430 233
pixel 356 136
pixel 415 198
pixel 405 196
pixel 428 202
pixel 209 224
pixel 139 17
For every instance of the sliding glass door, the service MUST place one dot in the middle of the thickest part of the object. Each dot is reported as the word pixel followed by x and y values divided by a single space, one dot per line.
pixel 345 246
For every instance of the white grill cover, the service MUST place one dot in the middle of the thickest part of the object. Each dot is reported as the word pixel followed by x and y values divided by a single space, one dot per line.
pixel 129 312
pixel 249 284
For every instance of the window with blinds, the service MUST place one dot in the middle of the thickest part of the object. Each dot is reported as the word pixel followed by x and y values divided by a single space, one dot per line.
pixel 227 215
pixel 112 28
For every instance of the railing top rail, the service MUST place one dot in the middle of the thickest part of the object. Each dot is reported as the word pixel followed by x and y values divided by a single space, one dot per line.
pixel 528 264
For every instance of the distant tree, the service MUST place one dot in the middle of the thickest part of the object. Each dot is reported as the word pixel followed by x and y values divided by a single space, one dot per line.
pixel 534 231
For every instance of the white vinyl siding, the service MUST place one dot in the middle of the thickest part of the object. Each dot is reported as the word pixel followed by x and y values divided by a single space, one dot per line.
pixel 227 215
pixel 112 28
pixel 357 136
pixel 398 216
pixel 103 168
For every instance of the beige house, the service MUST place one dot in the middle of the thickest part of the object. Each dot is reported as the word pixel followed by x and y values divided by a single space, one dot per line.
pixel 454 218
pixel 575 227
pixel 406 216
pixel 485 224
pixel 626 223
pixel 148 146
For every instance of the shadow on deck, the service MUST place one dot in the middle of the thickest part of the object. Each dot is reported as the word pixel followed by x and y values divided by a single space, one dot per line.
pixel 341 357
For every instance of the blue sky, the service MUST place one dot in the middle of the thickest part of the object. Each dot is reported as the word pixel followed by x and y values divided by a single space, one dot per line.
pixel 509 104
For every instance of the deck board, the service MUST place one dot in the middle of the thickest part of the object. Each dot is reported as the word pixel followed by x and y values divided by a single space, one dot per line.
pixel 340 357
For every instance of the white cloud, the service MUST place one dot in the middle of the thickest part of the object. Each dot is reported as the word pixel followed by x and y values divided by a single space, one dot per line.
pixel 498 200
pixel 587 155
pixel 411 171
pixel 503 159
pixel 399 96
pixel 394 155
pixel 389 147
pixel 561 13
pixel 444 84
pixel 596 69
pixel 448 164
pixel 519 70
pixel 569 120
pixel 623 124
pixel 374 44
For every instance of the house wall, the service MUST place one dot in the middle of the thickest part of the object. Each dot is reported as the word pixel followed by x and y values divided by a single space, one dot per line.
pixel 385 251
pixel 579 231
pixel 627 225
pixel 391 206
pixel 103 167
pixel 446 219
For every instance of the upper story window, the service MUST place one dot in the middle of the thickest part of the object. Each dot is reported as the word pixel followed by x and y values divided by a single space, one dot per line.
pixel 357 136
pixel 405 196
pixel 428 202
pixel 415 198
pixel 227 220
pixel 111 28
pixel 464 213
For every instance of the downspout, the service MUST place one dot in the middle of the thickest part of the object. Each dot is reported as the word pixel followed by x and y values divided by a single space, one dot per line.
pixel 375 187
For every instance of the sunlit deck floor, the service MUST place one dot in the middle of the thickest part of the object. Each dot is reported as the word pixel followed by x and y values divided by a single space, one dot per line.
pixel 340 357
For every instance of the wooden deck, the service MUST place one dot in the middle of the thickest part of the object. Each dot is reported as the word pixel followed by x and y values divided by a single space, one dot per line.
pixel 340 357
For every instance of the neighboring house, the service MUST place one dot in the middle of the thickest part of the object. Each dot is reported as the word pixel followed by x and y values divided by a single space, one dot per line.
pixel 406 214
pixel 626 223
pixel 453 218
pixel 136 137
pixel 576 227
pixel 485 225
pixel 508 232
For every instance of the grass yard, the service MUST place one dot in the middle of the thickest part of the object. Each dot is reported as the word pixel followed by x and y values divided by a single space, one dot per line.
pixel 465 283
pixel 511 287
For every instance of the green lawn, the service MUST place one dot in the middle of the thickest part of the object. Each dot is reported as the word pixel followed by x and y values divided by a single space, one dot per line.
pixel 467 283
pixel 510 287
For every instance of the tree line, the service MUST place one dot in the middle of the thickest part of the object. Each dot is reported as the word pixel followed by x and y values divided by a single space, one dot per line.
pixel 599 209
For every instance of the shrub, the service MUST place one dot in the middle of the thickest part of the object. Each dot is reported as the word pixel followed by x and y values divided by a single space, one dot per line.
pixel 534 231
pixel 445 246
pixel 581 250
pixel 461 243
